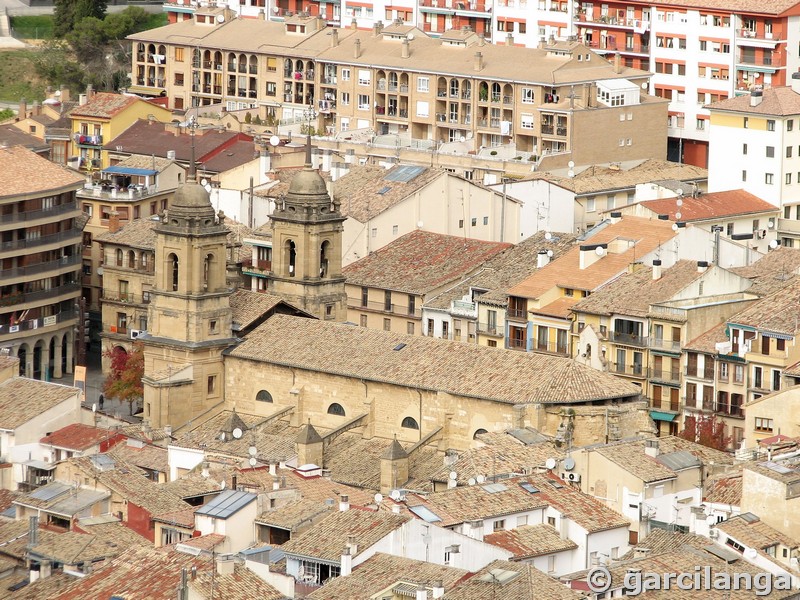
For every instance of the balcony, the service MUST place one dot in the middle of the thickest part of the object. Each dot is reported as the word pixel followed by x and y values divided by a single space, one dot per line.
pixel 125 297
pixel 258 267
pixel 629 339
pixel 517 313
pixel 42 213
pixel 382 307
pixel 697 373
pixel 736 412
pixel 490 329
pixel 73 235
pixel 44 267
pixel 133 192
pixel 517 344
pixel 666 345
pixel 87 140
pixel 37 324
pixel 634 370
pixel 667 404
pixel 21 298
pixel 464 308
pixel 551 348
pixel 669 376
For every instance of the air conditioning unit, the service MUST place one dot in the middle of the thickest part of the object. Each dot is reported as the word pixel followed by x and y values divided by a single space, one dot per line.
pixel 713 534
pixel 135 333
pixel 574 477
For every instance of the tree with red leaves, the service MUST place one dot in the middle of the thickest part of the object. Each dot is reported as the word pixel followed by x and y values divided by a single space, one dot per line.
pixel 125 379
pixel 706 430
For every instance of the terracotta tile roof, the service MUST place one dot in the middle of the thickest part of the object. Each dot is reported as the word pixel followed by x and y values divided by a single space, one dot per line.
pixel 366 191
pixel 280 185
pixel 104 105
pixel 529 583
pixel 597 179
pixel 504 270
pixel 327 538
pixel 772 272
pixel 242 584
pixel 776 313
pixel 560 308
pixel 791 474
pixel 39 397
pixel 635 237
pixel 154 458
pixel 793 370
pixel 231 156
pixel 182 518
pixel 205 542
pixel 707 342
pixel 659 541
pixel 76 437
pixel 25 172
pixel 631 294
pixel 749 530
pixel 529 541
pixel 383 571
pixel 13 136
pixel 7 498
pixel 294 514
pixel 420 262
pixel 428 363
pixel 632 458
pixel 72 548
pixel 715 205
pixel 139 233
pixel 112 532
pixel 776 101
pixel 247 306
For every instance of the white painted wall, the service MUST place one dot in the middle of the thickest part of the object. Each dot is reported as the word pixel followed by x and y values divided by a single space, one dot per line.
pixel 545 207
pixel 182 458
pixel 239 528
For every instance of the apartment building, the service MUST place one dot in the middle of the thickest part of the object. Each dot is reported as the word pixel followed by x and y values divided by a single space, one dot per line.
pixel 40 237
pixel 425 92
pixel 755 145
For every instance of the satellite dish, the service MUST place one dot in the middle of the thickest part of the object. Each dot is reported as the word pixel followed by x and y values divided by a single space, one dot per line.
pixel 410 36
pixel 679 202
pixel 674 227
pixel 237 433
pixel 750 553
pixel 644 85
pixel 711 520
pixel 453 475
pixel 571 164
pixel 569 463
pixel 395 495
pixel 548 236
pixel 378 498
pixel 773 244
pixel 571 173
pixel 94 407
pixel 274 140
pixel 549 254
pixel 100 271
pixel 480 478
pixel 222 484
pixel 204 181
pixel 550 463
pixel 678 215
pixel 253 451
pixel 222 436
pixel 600 251
pixel 207 187
pixel 771 224
pixel 420 224
pixel 463 139
pixel 276 10
pixel 756 75
pixel 220 18
pixel 253 462
pixel 471 481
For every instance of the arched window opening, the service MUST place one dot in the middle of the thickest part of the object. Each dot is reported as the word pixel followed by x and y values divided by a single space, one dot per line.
pixel 207 266
pixel 324 252
pixel 264 396
pixel 336 409
pixel 119 257
pixel 131 259
pixel 290 252
pixel 410 423
pixel 173 266
pixel 478 432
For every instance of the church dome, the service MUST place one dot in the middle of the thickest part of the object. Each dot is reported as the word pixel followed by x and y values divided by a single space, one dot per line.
pixel 308 185
pixel 191 195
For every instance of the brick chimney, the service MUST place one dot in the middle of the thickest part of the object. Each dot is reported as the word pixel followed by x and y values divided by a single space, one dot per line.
pixel 357 49
pixel 22 111
pixel 478 65
pixel 334 37
pixel 113 222
pixel 404 49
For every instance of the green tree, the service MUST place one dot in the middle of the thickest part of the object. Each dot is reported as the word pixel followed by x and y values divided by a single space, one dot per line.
pixel 68 13
pixel 125 378
pixel 54 63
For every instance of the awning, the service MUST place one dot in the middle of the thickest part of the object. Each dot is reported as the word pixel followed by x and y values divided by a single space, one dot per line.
pixel 657 415
pixel 145 91
pixel 118 170
pixel 40 464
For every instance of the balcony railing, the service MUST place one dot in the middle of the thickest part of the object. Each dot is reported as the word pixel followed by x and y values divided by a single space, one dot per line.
pixel 629 339
pixel 125 298
pixel 44 267
pixel 667 404
pixel 26 297
pixel 88 140
pixel 698 373
pixel 464 308
pixel 72 234
pixel 634 370
pixel 758 61
pixel 730 411
pixel 668 345
pixel 248 264
pixel 30 324
pixel 517 344
pixel 672 376
pixel 108 193
pixel 32 215
pixel 517 313
pixel 550 348
pixel 395 309
pixel 490 329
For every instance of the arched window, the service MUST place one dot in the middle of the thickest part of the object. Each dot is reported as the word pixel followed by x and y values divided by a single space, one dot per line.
pixel 410 423
pixel 172 262
pixel 290 254
pixel 478 432
pixel 207 266
pixel 264 396
pixel 495 92
pixel 131 259
pixel 336 409
pixel 119 257
pixel 324 252
pixel 588 350
pixel 144 260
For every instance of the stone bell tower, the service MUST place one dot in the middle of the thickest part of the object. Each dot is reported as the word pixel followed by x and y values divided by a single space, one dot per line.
pixel 189 315
pixel 307 247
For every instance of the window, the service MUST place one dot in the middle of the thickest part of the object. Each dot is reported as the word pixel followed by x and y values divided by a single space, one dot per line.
pixel 461 223
pixel 788 179
pixel 345 74
pixel 499 525
pixel 744 149
pixel 485 220
pixel 423 84
pixel 738 373
pixel 757 377
pixel 788 151
pixel 474 221
pixel 768 178
pixel 179 55
pixel 744 175
pixel 212 385
pixel 213 326
pixel 272 88
pixel 776 380
pixel 410 327
pixel 178 78
pixel 364 77
pixel 526 121
pixel 770 151
pixel 770 124
pixel 445 330
pixel 590 205
pixel 423 109
pixel 364 296
pixel 263 396
pixel 363 320
pixel 387 300
pixel 412 304
pixel 780 344
pixel 724 369
pixel 387 324
pixel 395 229
pixel 363 102
pixel 551 521
pixel 528 95
pixel 745 122
pixel 122 323
pixel 409 423
pixel 789 124
pixel 763 424
pixel 336 409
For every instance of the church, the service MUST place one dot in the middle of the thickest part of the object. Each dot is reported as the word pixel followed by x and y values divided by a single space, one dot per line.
pixel 311 367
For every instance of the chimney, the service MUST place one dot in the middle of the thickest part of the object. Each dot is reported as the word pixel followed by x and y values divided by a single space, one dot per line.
pixel 357 49
pixel 617 63
pixel 509 39
pixel 438 588
pixel 193 573
pixel 309 446
pixel 656 270
pixel 396 509
pixel 404 49
pixel 422 592
pixel 64 93
pixel 542 259
pixel 82 99
pixel 113 222
pixel 89 91
pixel 33 531
pixel 702 266
pixel 394 467
pixel 756 96
pixel 478 66
pixel 262 16
pixel 276 485
pixel 225 566
pixel 616 217
pixel 22 112
pixel 334 37
pixel 353 25
pixel 346 566
pixel 563 527
pixel 344 503
pixel 352 545
pixel 651 448
pixel 795 82
pixel 590 254
pixel 234 482
pixel 273 468
pixel 476 529
pixel 551 41
pixel 377 28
